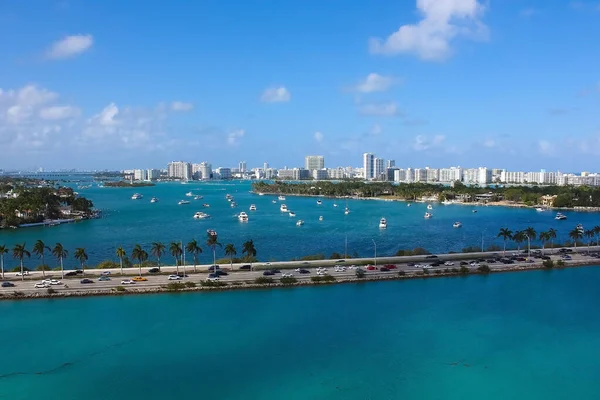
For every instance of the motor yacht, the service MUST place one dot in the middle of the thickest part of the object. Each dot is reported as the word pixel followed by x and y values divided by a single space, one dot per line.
pixel 457 225
pixel 274 201
pixel 189 194
pixel 299 223
pixel 335 205
pixel 560 216
pixel 319 202
pixel 579 227
pixel 233 204
pixel 154 200
pixel 283 208
pixel 429 207
pixel 181 202
pixel 252 207
pixel 205 205
pixel 428 215
pixel 539 209
pixel 346 211
pixel 281 198
pixel 198 197
pixel 243 217
pixel 382 223
pixel 292 214
pixel 137 196
pixel 228 196
pixel 474 211
pixel 320 218
pixel 409 205
pixel 201 215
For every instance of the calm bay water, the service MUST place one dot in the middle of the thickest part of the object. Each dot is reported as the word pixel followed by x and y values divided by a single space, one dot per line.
pixel 533 335
pixel 275 234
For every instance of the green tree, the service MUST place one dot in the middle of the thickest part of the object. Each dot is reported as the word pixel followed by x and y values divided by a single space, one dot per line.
pixel 552 235
pixel 158 249
pixel 249 250
pixel 20 252
pixel 505 234
pixel 120 252
pixel 589 234
pixel 140 255
pixel 230 251
pixel 60 253
pixel 39 248
pixel 575 234
pixel 531 233
pixel 194 249
pixel 81 256
pixel 212 242
pixel 519 237
pixel 176 251
pixel 597 233
pixel 3 251
pixel 544 237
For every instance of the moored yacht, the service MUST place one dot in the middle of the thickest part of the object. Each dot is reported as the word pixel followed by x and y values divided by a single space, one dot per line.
pixel 319 202
pixel 292 214
pixel 382 223
pixel 320 218
pixel 457 225
pixel 198 197
pixel 252 207
pixel 183 202
pixel 474 211
pixel 281 198
pixel 274 201
pixel 429 207
pixel 346 211
pixel 243 217
pixel 201 215
pixel 189 194
pixel 228 196
pixel 205 205
pixel 560 216
pixel 283 208
pixel 335 205
pixel 137 196
pixel 539 209
pixel 299 223
pixel 428 215
pixel 233 204
pixel 154 200
pixel 409 204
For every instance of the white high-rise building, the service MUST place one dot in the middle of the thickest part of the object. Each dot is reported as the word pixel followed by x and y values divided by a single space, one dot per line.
pixel 484 175
pixel 391 163
pixel 452 174
pixel 314 162
pixel 139 174
pixel 368 166
pixel 379 169
pixel 223 173
pixel 242 166
pixel 180 170
pixel 205 170
pixel 265 167
pixel 152 174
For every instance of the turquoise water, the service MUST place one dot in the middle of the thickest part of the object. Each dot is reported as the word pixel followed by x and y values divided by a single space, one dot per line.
pixel 532 335
pixel 275 234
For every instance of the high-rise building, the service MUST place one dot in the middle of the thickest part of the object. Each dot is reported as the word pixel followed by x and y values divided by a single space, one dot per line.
pixel 152 174
pixel 319 174
pixel 180 170
pixel 391 163
pixel 205 170
pixel 223 173
pixel 265 166
pixel 368 166
pixel 139 174
pixel 243 166
pixel 314 162
pixel 379 173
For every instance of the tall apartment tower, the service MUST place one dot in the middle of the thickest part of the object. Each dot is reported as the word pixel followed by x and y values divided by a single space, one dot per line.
pixel 379 168
pixel 369 166
pixel 314 162
pixel 391 163
pixel 180 169
pixel 242 166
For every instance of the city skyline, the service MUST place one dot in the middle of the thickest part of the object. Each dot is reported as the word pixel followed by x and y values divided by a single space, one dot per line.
pixel 421 82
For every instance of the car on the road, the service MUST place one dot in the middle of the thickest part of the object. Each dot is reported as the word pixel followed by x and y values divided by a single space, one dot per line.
pixel 71 273
pixel 566 257
pixel 341 261
pixel 464 263
pixel 106 273
pixel 174 277
pixel 182 275
pixel 521 259
pixel 305 263
pixel 127 282
pixel 8 284
pixel 220 272
pixel 384 269
pixel 287 275
pixel 448 263
pixel 275 271
pixel 79 271
pixel 41 285
pixel 85 281
pixel 390 266
pixel 55 282
pixel 213 268
pixel 432 256
pixel 212 277
pixel 304 271
pixel 104 278
pixel 267 273
pixel 246 267
pixel 410 264
pixel 436 263
pixel 371 268
pixel 24 273
pixel 154 270
pixel 474 264
pixel 546 258
pixel 139 279
pixel 267 263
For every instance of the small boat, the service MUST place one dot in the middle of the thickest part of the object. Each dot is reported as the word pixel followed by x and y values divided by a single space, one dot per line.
pixel 409 204
pixel 233 204
pixel 457 225
pixel 243 217
pixel 335 205
pixel 261 194
pixel 252 207
pixel 230 199
pixel 211 232
pixel 319 202
pixel 283 208
pixel 292 214
pixel 198 197
pixel 137 196
pixel 205 205
pixel 429 207
pixel 274 201
pixel 299 223
pixel 154 200
pixel 281 198
pixel 560 216
pixel 321 218
pixel 183 202
pixel 228 196
pixel 539 209
pixel 474 211
pixel 446 202
pixel 428 215
pixel 382 223
pixel 579 227
pixel 201 215
pixel 346 211
pixel 189 194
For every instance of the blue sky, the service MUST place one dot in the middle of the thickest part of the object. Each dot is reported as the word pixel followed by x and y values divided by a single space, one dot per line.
pixel 134 84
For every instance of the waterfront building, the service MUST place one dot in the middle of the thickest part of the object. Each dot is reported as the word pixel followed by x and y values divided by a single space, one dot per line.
pixel 337 173
pixel 390 173
pixel 379 173
pixel 320 174
pixel 432 174
pixel 484 176
pixel 223 173
pixel 400 175
pixel 420 175
pixel 205 170
pixel 179 170
pixel 152 174
pixel 391 163
pixel 368 166
pixel 139 174
pixel 242 166
pixel 452 174
pixel 314 162
pixel 285 173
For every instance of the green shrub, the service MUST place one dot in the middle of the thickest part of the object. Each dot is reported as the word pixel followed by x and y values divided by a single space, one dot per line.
pixel 174 286
pixel 237 283
pixel 263 280
pixel 437 271
pixel 484 269
pixel 190 284
pixel 18 269
pixel 454 270
pixel 108 264
pixel 425 271
pixel 323 278
pixel 549 264
pixel 560 263
pixel 51 291
pixel 120 289
pixel 288 280
pixel 464 270
pixel 312 257
pixel 213 284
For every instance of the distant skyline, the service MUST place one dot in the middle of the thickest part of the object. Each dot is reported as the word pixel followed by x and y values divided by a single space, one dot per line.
pixel 512 84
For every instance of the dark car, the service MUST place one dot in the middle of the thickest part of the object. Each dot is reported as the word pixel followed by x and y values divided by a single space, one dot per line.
pixel 436 264
pixel 341 261
pixel 411 264
pixel 7 284
pixel 432 256
pixel 71 273
pixel 491 261
pixel 245 267
pixel 384 269
pixel 267 273
pixel 154 270
pixel 79 271
pixel 304 271
pixel 220 273
pixel 521 259
pixel 546 258
pixel 182 275
pixel 275 271
pixel 86 280
pixel 464 263
pixel 213 268
pixel 212 276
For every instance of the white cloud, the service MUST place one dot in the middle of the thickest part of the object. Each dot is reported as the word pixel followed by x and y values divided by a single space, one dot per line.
pixel 59 112
pixel 431 38
pixel 318 137
pixel 423 143
pixel 381 109
pixel 70 46
pixel 233 138
pixel 375 83
pixel 375 130
pixel 181 106
pixel 489 143
pixel 277 94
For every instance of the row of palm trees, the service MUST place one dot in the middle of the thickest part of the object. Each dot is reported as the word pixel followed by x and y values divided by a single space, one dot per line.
pixel 530 234
pixel 138 253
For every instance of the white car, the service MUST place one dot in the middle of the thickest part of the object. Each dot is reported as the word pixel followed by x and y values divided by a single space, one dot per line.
pixel 287 275
pixel 474 264
pixel 174 277
pixel 127 282
pixel 321 273
pixel 448 263
pixel 106 273
pixel 47 281
pixel 25 273
pixel 214 278
pixel 55 282
pixel 339 269
pixel 352 267
pixel 297 270
pixel 41 285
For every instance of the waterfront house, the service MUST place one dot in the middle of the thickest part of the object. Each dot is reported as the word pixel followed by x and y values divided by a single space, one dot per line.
pixel 548 200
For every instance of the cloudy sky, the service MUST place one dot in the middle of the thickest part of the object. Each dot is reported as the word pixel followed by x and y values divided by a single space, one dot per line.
pixel 124 84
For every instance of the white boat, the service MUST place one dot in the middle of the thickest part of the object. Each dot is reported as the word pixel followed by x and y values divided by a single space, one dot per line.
pixel 274 201
pixel 198 197
pixel 382 223
pixel 319 202
pixel 299 223
pixel 228 196
pixel 335 205
pixel 211 232
pixel 243 217
pixel 154 200
pixel 189 194
pixel 252 207
pixel 281 198
pixel 429 207
pixel 560 216
pixel 283 208
pixel 137 196
pixel 474 211
pixel 292 214
pixel 428 215
pixel 183 202
pixel 205 205
pixel 201 215
pixel 539 209
pixel 408 205
pixel 261 194
pixel 233 204
pixel 346 211
pixel 579 227
pixel 446 202
pixel 320 218
pixel 457 225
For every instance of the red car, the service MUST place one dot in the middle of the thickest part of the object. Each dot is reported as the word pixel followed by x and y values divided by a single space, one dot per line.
pixel 390 266
pixel 371 268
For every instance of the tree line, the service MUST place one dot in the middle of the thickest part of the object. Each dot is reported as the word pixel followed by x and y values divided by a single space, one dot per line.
pixel 529 234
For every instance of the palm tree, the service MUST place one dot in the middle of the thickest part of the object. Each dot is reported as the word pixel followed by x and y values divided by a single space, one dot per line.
pixel 176 251
pixel 250 251
pixel 158 249
pixel 139 254
pixel 39 248
pixel 544 237
pixel 531 233
pixel 552 235
pixel 82 256
pixel 519 237
pixel 20 252
pixel 60 253
pixel 121 254
pixel 575 234
pixel 212 242
pixel 505 234
pixel 597 232
pixel 230 251
pixel 194 249
pixel 3 251
pixel 589 234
